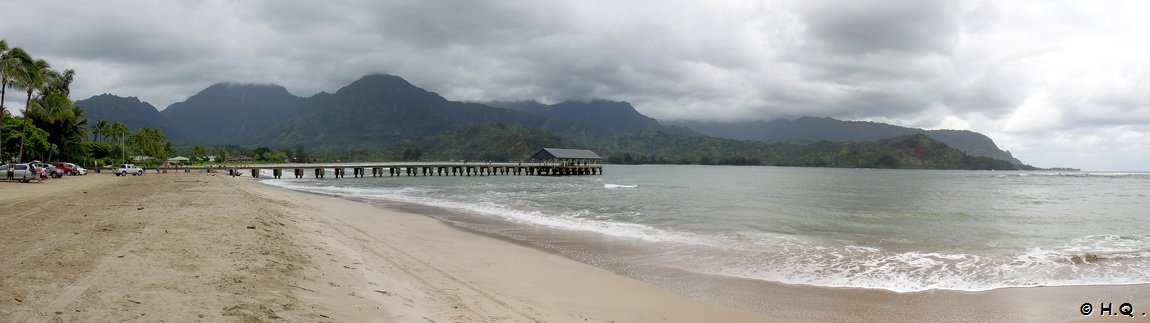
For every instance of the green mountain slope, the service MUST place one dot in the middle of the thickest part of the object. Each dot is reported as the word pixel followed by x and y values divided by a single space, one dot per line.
pixel 229 113
pixel 513 143
pixel 128 110
pixel 497 142
pixel 612 115
pixel 809 129
pixel 387 115
pixel 380 108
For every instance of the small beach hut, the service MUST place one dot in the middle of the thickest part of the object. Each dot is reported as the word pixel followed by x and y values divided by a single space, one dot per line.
pixel 567 157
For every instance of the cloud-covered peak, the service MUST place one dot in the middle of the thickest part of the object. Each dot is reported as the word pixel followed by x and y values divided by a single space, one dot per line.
pixel 1035 75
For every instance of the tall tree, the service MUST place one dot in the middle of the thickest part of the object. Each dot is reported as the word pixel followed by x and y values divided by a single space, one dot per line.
pixel 12 62
pixel 149 142
pixel 37 138
pixel 30 79
pixel 64 122
pixel 76 136
pixel 117 131
pixel 3 86
pixel 56 82
pixel 169 150
pixel 199 152
pixel 3 71
pixel 221 154
pixel 101 130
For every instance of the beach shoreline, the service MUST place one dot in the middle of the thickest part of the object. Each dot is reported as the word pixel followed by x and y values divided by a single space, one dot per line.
pixel 182 246
pixel 820 303
pixel 209 247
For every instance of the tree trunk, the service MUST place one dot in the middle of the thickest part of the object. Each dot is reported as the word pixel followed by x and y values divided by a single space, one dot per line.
pixel 24 132
pixel 3 91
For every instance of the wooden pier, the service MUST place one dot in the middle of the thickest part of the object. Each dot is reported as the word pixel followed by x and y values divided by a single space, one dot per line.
pixel 394 169
pixel 553 162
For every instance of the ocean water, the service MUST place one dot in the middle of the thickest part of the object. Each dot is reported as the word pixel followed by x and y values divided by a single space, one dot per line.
pixel 898 230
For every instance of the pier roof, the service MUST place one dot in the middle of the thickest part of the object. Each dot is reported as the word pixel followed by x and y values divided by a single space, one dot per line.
pixel 559 153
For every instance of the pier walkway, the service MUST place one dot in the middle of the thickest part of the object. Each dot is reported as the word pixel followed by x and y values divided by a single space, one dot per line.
pixel 396 169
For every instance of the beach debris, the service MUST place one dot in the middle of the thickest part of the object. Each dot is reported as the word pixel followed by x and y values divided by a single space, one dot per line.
pixel 18 300
pixel 325 316
pixel 139 208
pixel 251 227
pixel 137 303
pixel 383 292
pixel 289 285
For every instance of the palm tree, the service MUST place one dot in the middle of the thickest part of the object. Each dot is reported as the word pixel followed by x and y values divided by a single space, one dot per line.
pixel 3 71
pixel 30 79
pixel 101 130
pixel 169 150
pixel 56 82
pixel 75 133
pixel 221 155
pixel 64 122
pixel 120 132
pixel 12 62
pixel 3 86
pixel 199 152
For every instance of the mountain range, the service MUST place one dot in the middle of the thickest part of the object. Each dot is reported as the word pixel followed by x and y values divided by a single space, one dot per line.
pixel 385 111
pixel 810 129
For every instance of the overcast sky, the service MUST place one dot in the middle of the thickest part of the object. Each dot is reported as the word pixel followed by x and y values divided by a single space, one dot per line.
pixel 1058 83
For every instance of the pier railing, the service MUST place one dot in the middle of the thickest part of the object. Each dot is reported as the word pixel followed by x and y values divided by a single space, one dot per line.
pixel 393 169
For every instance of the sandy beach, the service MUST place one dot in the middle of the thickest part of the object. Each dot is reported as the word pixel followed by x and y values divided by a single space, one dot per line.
pixel 207 247
pixel 179 247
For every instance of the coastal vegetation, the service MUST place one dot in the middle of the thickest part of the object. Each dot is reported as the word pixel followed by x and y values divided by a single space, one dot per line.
pixel 51 127
pixel 509 143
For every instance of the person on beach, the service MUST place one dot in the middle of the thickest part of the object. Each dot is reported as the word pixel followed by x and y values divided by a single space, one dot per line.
pixel 39 171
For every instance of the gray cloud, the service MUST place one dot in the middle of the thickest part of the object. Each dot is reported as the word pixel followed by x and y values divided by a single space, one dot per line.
pixel 854 28
pixel 1017 70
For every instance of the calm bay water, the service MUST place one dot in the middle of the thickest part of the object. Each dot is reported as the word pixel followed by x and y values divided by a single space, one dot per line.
pixel 900 230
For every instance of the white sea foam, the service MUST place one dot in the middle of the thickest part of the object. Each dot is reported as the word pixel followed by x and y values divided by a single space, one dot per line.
pixel 1081 174
pixel 867 267
pixel 615 186
pixel 1087 260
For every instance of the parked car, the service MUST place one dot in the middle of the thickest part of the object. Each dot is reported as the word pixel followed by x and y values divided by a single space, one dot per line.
pixel 127 169
pixel 19 172
pixel 67 168
pixel 50 170
pixel 79 170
